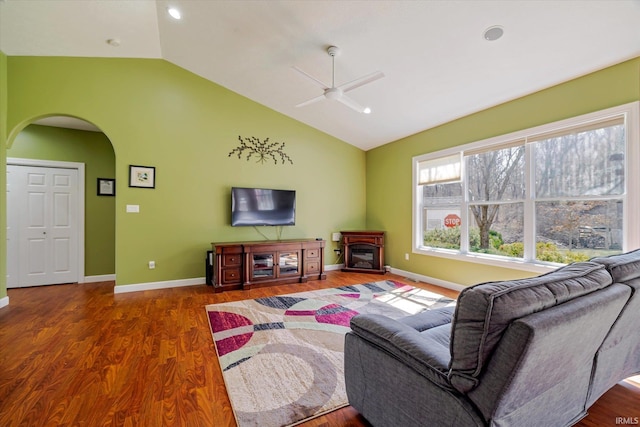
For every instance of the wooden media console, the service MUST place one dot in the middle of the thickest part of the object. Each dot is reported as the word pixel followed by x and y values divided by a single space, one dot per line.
pixel 244 265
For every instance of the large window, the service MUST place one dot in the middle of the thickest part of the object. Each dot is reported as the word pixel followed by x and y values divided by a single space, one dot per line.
pixel 555 194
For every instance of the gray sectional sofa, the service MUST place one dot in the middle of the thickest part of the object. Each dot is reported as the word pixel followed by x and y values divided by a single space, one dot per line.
pixel 530 352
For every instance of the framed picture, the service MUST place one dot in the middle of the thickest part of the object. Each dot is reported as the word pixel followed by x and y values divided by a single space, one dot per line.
pixel 106 187
pixel 142 176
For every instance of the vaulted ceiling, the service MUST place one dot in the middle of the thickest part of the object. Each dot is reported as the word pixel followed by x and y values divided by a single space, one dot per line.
pixel 436 61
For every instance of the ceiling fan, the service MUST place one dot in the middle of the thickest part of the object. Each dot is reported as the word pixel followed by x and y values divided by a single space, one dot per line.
pixel 337 93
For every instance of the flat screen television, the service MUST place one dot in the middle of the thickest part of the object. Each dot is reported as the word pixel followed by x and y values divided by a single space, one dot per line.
pixel 262 206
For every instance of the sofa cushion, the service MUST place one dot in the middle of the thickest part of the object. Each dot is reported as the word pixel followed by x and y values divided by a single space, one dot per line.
pixel 484 311
pixel 623 267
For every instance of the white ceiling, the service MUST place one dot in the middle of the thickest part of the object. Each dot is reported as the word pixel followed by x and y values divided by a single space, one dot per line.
pixel 437 65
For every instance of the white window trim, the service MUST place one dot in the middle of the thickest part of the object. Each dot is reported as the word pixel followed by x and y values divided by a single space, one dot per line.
pixel 631 221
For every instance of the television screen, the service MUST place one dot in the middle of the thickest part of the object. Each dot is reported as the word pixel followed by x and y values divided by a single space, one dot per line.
pixel 261 206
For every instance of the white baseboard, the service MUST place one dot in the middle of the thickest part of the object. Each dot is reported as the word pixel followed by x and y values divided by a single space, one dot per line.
pixel 427 279
pixel 120 289
pixel 4 302
pixel 100 278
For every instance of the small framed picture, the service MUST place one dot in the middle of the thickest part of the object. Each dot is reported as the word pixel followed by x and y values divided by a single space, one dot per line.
pixel 106 187
pixel 142 176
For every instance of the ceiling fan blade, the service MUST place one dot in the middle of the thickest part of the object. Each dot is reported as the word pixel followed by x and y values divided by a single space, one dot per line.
pixel 351 103
pixel 354 84
pixel 311 101
pixel 318 82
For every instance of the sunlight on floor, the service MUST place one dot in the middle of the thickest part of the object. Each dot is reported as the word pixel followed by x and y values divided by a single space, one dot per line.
pixel 414 300
pixel 634 381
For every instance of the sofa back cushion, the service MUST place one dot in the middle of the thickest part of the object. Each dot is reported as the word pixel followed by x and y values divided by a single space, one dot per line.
pixel 623 267
pixel 619 355
pixel 484 311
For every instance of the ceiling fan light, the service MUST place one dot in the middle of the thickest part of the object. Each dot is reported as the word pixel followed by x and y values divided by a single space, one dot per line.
pixel 333 93
pixel 175 13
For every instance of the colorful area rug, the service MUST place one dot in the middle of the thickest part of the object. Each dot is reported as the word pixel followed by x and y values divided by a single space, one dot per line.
pixel 282 356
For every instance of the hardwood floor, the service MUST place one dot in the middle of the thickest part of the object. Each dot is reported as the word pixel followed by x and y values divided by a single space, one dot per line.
pixel 78 355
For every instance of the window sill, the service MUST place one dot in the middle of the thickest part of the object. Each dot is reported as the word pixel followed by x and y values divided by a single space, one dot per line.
pixel 503 262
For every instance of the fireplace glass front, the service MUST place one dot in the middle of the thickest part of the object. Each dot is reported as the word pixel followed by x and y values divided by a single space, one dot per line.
pixel 363 256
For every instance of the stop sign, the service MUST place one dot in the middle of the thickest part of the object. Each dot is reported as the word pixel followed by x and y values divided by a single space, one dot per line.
pixel 452 220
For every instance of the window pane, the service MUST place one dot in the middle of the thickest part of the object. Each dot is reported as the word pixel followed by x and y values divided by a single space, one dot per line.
pixel 497 229
pixel 578 230
pixel 442 194
pixel 589 163
pixel 496 175
pixel 442 227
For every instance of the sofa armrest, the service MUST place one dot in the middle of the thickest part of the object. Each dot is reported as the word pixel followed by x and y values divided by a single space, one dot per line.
pixel 423 353
pixel 429 318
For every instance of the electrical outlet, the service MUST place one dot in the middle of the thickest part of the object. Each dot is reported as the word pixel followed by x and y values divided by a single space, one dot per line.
pixel 152 265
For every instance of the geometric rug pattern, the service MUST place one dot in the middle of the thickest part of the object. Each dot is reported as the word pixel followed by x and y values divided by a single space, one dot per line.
pixel 282 357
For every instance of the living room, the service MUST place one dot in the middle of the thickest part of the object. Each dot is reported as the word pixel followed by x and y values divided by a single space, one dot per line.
pixel 154 113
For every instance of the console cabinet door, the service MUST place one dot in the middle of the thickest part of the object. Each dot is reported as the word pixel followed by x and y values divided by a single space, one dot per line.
pixel 262 266
pixel 289 263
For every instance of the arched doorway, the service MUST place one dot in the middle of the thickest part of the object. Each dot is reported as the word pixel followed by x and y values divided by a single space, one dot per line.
pixel 58 146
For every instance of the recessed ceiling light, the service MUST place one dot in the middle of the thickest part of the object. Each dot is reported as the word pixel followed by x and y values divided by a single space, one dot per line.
pixel 367 110
pixel 493 33
pixel 175 13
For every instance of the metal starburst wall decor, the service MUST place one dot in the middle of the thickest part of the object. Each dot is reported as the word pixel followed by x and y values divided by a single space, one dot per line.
pixel 262 150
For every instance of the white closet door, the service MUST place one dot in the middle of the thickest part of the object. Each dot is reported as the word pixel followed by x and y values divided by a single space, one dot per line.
pixel 43 211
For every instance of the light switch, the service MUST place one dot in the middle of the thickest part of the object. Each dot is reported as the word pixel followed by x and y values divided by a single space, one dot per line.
pixel 133 208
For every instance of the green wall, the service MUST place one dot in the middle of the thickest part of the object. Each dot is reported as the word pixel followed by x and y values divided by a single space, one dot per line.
pixel 157 114
pixel 3 174
pixel 95 151
pixel 389 184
